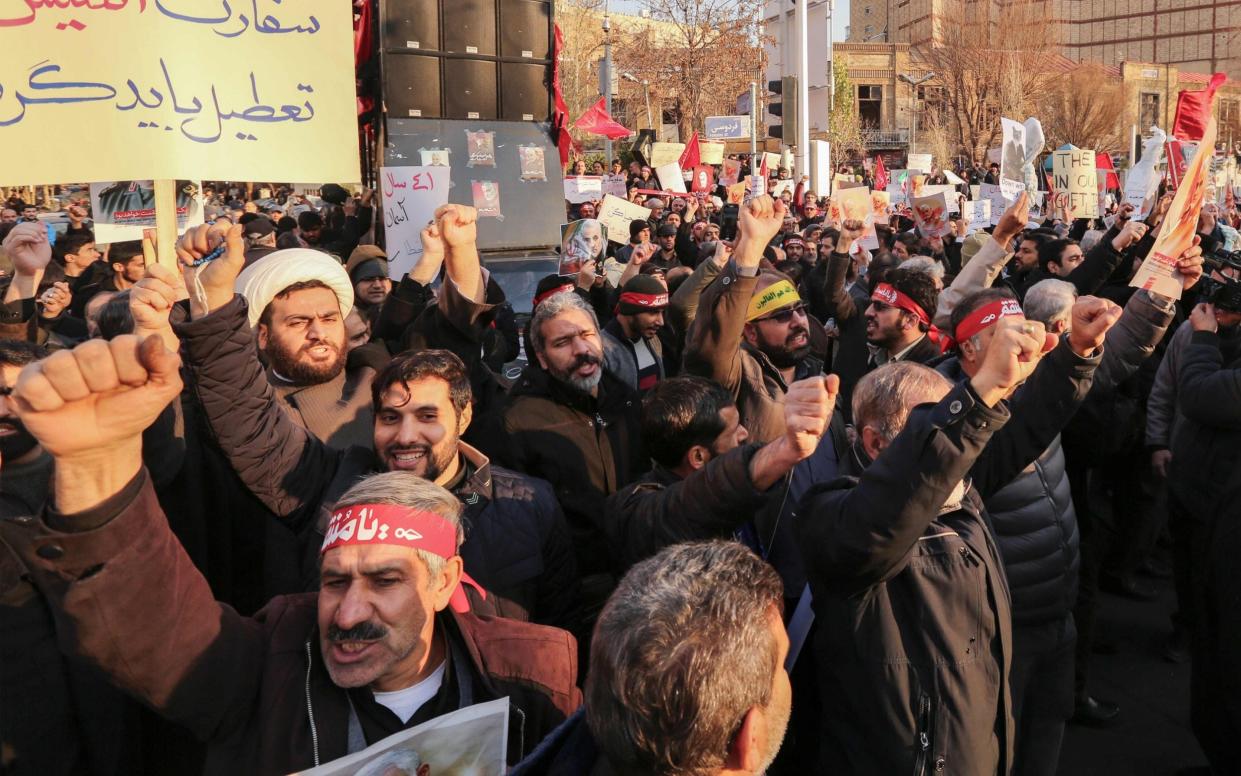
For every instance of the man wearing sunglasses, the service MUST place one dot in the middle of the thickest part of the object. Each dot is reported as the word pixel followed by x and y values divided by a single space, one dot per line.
pixel 752 334
pixel 898 323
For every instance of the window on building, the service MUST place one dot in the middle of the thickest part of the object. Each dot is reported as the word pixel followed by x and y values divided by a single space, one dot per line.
pixel 1148 111
pixel 870 106
pixel 868 29
pixel 866 11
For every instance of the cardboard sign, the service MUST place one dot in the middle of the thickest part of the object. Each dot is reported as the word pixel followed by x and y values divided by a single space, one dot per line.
pixel 615 214
pixel 1074 183
pixel 978 215
pixel 664 153
pixel 671 178
pixel 710 153
pixel 919 162
pixel 409 197
pixel 186 91
pixel 583 188
pixel 931 215
pixel 1158 271
pixel 122 209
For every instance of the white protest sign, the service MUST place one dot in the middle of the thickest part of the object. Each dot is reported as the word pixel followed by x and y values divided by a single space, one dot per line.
pixel 615 185
pixel 993 194
pixel 671 177
pixel 1075 183
pixel 949 192
pixel 1012 158
pixel 978 214
pixel 616 213
pixel 410 196
pixel 919 162
pixel 931 215
pixel 583 188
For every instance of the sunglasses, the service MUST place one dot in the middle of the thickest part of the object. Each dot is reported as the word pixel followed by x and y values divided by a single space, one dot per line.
pixel 785 315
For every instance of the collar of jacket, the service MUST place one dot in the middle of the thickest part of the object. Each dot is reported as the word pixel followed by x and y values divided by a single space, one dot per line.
pixel 477 488
pixel 535 381
pixel 285 387
pixel 808 367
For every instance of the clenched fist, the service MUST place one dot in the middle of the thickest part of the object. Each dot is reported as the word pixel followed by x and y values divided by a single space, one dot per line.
pixel 1091 318
pixel 807 409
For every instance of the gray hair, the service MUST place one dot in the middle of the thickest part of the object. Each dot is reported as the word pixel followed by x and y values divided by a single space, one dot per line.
pixel 409 490
pixel 553 307
pixel 924 264
pixel 1049 301
pixel 406 760
pixel 1090 239
pixel 682 650
pixel 884 397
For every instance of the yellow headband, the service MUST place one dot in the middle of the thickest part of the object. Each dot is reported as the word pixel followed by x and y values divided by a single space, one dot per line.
pixel 775 296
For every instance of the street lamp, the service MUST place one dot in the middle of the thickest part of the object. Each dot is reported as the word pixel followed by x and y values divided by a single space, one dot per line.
pixel 607 78
pixel 646 92
pixel 915 83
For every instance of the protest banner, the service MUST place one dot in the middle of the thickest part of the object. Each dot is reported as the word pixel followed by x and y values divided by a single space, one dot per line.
pixel 583 188
pixel 710 153
pixel 704 179
pixel 977 214
pixel 615 185
pixel 615 214
pixel 931 215
pixel 1074 183
pixel 409 197
pixel 1176 235
pixel 993 194
pixel 671 177
pixel 919 162
pixel 1012 158
pixel 949 192
pixel 663 153
pixel 581 241
pixel 122 209
pixel 183 92
pixel 471 740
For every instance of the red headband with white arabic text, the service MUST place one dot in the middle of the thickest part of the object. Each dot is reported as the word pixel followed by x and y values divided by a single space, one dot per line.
pixel 887 293
pixel 988 315
pixel 549 293
pixel 399 527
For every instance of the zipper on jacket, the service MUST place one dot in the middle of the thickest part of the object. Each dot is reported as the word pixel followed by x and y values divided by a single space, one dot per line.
pixel 924 740
pixel 310 708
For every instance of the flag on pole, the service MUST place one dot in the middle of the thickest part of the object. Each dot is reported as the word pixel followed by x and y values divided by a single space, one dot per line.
pixel 560 116
pixel 881 174
pixel 691 157
pixel 1193 110
pixel 597 122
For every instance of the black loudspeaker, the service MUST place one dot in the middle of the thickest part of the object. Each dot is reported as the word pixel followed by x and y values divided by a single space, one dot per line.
pixel 470 89
pixel 412 24
pixel 412 86
pixel 470 27
pixel 524 92
pixel 524 34
pixel 467 59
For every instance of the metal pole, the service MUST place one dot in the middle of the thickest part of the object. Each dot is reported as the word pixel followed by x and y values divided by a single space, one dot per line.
pixel 913 130
pixel 803 91
pixel 753 119
pixel 607 80
pixel 831 68
pixel 646 90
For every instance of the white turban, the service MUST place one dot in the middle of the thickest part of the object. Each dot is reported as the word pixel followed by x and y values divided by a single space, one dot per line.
pixel 260 282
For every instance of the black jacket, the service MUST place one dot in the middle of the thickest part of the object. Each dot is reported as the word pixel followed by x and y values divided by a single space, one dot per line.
pixel 516 543
pixel 1208 442
pixel 912 608
pixel 587 448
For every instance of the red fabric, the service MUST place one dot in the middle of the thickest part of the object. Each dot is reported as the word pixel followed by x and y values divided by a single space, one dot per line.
pixel 881 174
pixel 596 121
pixel 549 293
pixel 886 293
pixel 1193 110
pixel 363 35
pixel 1103 161
pixel 648 301
pixel 560 114
pixel 704 178
pixel 690 157
pixel 1177 165
pixel 401 527
pixel 988 315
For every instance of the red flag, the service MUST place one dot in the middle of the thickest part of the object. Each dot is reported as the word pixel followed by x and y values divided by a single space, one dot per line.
pixel 1103 163
pixel 560 115
pixel 881 174
pixel 1177 165
pixel 1193 110
pixel 704 178
pixel 690 158
pixel 597 122
pixel 762 168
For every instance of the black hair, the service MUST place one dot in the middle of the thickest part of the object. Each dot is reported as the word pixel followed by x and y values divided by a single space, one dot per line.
pixel 114 318
pixel 681 412
pixel 20 353
pixel 415 365
pixel 918 286
pixel 286 224
pixel 247 218
pixel 309 220
pixel 122 252
pixel 72 242
pixel 1051 250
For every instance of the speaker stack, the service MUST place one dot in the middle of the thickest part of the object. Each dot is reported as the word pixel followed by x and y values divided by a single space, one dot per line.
pixel 467 59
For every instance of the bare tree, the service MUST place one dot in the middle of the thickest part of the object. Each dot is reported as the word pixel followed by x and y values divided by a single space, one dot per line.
pixel 580 23
pixel 1084 107
pixel 844 130
pixel 699 54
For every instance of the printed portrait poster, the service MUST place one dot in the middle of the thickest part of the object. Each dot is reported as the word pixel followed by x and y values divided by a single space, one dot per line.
pixel 581 241
pixel 731 172
pixel 931 215
pixel 122 209
pixel 736 193
pixel 481 148
pixel 1012 158
pixel 881 205
pixel 704 178
pixel 487 199
pixel 435 157
pixel 533 163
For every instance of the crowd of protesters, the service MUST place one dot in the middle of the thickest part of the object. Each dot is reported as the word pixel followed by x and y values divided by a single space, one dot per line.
pixel 760 500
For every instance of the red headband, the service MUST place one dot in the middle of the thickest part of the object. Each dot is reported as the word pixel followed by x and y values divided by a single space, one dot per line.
pixel 549 293
pixel 650 301
pixel 887 293
pixel 401 527
pixel 988 315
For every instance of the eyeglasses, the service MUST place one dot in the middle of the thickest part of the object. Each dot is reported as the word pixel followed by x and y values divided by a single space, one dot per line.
pixel 785 315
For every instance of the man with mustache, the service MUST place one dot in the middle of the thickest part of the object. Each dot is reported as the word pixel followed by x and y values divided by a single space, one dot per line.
pixel 898 319
pixel 384 644
pixel 573 423
pixel 752 332
pixel 422 403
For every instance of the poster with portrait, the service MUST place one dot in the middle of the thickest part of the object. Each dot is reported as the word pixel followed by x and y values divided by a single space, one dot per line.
pixel 471 740
pixel 703 180
pixel 931 215
pixel 533 163
pixel 1012 158
pixel 480 148
pixel 122 209
pixel 880 205
pixel 730 172
pixel 581 241
pixel 435 157
pixel 487 199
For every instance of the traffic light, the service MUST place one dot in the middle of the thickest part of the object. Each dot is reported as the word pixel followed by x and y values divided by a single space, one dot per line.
pixel 785 106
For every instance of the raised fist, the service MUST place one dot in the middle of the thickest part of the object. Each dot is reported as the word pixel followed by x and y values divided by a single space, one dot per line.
pixel 1090 321
pixel 807 409
pixel 458 224
pixel 219 276
pixel 760 219
pixel 28 248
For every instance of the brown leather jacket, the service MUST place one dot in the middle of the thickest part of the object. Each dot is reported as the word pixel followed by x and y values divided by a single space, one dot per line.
pixel 126 598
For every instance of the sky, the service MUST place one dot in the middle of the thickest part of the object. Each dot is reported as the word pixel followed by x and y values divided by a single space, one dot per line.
pixel 840 14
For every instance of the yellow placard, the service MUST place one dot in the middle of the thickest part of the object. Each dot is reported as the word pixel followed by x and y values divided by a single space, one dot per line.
pixel 191 89
pixel 710 153
pixel 665 153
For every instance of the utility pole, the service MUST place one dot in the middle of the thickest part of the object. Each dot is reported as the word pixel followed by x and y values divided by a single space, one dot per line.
pixel 753 121
pixel 803 92
pixel 606 77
